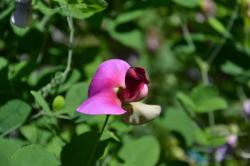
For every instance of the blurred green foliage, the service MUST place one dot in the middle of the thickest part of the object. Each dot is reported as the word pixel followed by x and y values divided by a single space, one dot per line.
pixel 196 53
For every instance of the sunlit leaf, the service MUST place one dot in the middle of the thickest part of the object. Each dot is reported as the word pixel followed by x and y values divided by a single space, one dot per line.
pixel 231 68
pixel 30 132
pixel 218 26
pixel 41 101
pixel 187 3
pixel 83 9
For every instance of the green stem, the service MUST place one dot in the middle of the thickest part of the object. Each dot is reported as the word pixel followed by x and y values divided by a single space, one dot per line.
pixel 104 125
pixel 242 97
pixel 59 79
pixel 204 67
pixel 188 37
pixel 223 39
pixel 97 143
pixel 211 119
pixel 71 38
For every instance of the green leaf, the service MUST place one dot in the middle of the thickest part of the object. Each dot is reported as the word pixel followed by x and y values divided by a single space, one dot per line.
pixel 217 135
pixel 30 132
pixel 187 3
pixel 55 146
pixel 20 31
pixel 202 92
pixel 211 104
pixel 12 115
pixel 231 68
pixel 74 97
pixel 143 151
pixel 206 99
pixel 186 101
pixel 4 160
pixel 5 82
pixel 61 1
pixel 82 149
pixel 179 121
pixel 37 75
pixel 7 149
pixel 3 62
pixel 128 16
pixel 120 127
pixel 218 26
pixel 125 38
pixel 82 128
pixel 40 100
pixel 44 8
pixel 35 134
pixel 77 11
pixel 16 69
pixel 33 155
pixel 84 9
pixel 7 10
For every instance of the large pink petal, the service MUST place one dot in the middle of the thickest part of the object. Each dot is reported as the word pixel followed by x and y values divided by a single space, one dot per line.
pixel 110 74
pixel 105 102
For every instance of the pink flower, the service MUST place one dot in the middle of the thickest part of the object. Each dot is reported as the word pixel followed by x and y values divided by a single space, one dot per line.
pixel 116 89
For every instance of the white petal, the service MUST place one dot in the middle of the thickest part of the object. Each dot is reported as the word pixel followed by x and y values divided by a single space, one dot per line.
pixel 139 113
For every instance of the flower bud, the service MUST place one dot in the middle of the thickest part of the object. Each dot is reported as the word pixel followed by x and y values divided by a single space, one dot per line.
pixel 58 102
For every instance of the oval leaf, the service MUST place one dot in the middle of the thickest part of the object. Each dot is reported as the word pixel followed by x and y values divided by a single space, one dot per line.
pixel 143 151
pixel 12 115
pixel 28 154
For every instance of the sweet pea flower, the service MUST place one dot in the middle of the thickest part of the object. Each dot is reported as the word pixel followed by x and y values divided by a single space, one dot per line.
pixel 116 89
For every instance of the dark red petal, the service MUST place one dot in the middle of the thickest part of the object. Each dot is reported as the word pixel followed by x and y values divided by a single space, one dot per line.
pixel 135 81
